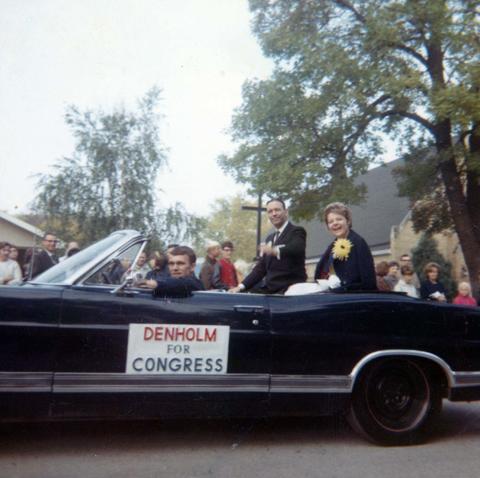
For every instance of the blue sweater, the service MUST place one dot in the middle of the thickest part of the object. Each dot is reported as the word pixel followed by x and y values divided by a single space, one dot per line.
pixel 177 287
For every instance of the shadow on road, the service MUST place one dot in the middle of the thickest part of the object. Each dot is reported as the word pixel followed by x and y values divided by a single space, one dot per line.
pixel 90 436
pixel 192 434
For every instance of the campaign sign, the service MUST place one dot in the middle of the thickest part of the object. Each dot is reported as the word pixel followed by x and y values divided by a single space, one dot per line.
pixel 177 349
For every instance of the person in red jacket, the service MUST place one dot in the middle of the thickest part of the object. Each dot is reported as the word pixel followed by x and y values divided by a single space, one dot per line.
pixel 225 274
pixel 464 296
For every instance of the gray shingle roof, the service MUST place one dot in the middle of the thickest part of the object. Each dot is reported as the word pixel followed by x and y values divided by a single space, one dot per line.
pixel 373 219
pixel 21 224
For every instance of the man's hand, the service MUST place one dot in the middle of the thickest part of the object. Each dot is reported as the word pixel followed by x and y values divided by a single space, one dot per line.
pixel 234 290
pixel 268 250
pixel 147 284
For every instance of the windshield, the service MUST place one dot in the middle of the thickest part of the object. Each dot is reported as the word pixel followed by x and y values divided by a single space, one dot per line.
pixel 117 269
pixel 60 272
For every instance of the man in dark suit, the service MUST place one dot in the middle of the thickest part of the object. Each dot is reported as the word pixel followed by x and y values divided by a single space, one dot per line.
pixel 282 261
pixel 182 281
pixel 46 258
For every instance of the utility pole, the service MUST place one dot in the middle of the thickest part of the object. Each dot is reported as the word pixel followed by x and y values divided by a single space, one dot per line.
pixel 259 210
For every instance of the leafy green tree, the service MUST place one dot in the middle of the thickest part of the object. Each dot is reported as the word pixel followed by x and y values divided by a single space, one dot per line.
pixel 175 225
pixel 427 251
pixel 349 72
pixel 229 222
pixel 108 182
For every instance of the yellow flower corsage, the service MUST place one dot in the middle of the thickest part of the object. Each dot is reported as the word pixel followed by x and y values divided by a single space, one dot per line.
pixel 341 249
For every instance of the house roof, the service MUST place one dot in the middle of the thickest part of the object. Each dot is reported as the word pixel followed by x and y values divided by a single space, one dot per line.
pixel 21 224
pixel 373 219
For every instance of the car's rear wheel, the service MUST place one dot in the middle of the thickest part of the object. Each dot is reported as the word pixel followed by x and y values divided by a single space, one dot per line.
pixel 395 402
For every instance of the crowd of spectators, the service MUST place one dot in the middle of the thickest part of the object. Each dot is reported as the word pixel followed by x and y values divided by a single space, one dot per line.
pixel 401 277
pixel 35 260
pixel 218 271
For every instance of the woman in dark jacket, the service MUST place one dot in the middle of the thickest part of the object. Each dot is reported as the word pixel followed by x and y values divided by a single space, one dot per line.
pixel 348 256
pixel 432 288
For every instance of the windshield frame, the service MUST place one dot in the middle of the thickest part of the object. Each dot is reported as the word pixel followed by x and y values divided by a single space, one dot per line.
pixel 126 238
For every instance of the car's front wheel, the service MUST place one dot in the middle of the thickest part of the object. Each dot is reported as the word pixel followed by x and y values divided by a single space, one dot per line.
pixel 395 402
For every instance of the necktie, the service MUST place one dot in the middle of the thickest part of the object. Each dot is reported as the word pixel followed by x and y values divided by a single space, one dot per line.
pixel 275 238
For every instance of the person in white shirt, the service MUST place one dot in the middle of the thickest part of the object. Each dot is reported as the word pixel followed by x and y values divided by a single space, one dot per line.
pixel 71 250
pixel 10 272
pixel 406 260
pixel 406 283
pixel 141 268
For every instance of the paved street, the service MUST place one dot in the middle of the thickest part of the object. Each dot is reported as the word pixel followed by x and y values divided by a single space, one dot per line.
pixel 323 447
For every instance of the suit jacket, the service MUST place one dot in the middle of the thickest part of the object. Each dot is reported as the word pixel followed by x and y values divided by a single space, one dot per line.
pixel 279 274
pixel 177 287
pixel 41 262
pixel 355 273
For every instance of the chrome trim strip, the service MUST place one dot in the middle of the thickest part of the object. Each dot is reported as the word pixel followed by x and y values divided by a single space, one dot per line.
pixel 26 381
pixel 84 326
pixel 259 383
pixel 17 323
pixel 466 379
pixel 399 352
pixel 311 384
pixel 122 382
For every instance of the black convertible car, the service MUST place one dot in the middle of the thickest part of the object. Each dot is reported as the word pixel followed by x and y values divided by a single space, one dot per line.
pixel 80 342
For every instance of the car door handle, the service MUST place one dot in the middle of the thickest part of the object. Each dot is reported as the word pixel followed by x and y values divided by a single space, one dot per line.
pixel 249 309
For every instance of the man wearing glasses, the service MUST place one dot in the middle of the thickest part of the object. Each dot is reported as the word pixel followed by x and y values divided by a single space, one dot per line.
pixel 406 260
pixel 46 258
pixel 225 274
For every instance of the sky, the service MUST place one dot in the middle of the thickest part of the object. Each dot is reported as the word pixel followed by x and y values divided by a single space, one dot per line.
pixel 104 53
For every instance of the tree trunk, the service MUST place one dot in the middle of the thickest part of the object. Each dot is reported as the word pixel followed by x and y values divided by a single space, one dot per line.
pixel 464 223
pixel 473 179
pixel 458 200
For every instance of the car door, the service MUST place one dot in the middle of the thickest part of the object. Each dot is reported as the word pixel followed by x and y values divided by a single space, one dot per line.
pixel 310 360
pixel 183 379
pixel 29 318
pixel 91 335
pixel 93 376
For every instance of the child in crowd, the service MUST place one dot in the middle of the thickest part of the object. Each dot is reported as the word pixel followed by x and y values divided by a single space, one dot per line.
pixel 405 284
pixel 464 296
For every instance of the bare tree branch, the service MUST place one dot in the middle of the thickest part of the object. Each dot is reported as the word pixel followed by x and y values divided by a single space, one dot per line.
pixel 413 116
pixel 348 6
pixel 410 51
